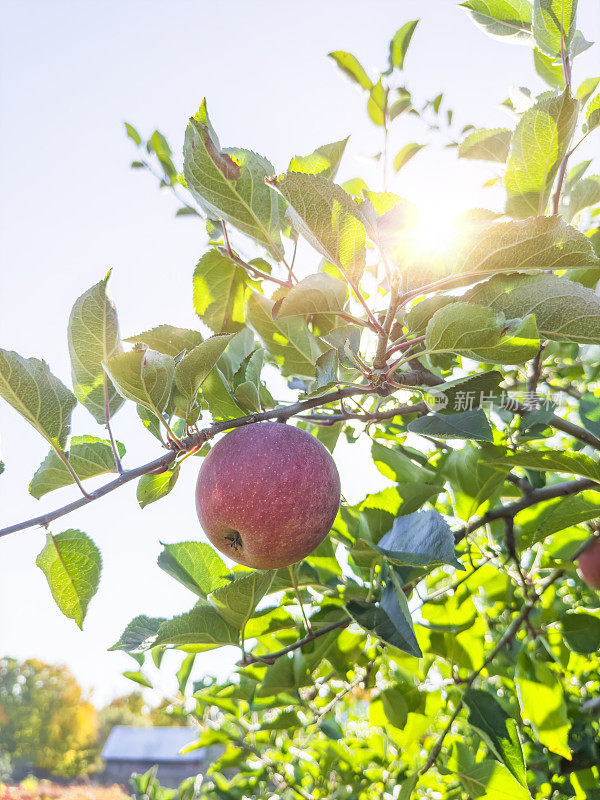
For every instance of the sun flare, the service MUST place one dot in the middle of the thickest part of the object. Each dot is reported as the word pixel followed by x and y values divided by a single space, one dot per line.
pixel 435 228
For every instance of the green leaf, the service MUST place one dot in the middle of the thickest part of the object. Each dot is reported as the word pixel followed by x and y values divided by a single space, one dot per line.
pixel 168 339
pixel 326 370
pixel 586 89
pixel 486 145
pixel 548 69
pixel 279 677
pixel 230 184
pixel 489 780
pixel 203 625
pixel 375 620
pixel 352 68
pixel 543 704
pixel 72 564
pixel 377 104
pixel 132 133
pixel 537 148
pixel 399 45
pixel 194 564
pixel 554 25
pixel 395 605
pixel 397 466
pixel 407 787
pixel 462 327
pixel 592 114
pixel 144 376
pixel 502 19
pixel 93 337
pixel 237 601
pixel 249 390
pixel 564 310
pixel 87 455
pixel 287 339
pixel 575 174
pixel 316 294
pixel 152 487
pixel 327 217
pixel 497 729
pixel 571 463
pixel 184 672
pixel 565 512
pixel 394 705
pixel 472 424
pixel 403 156
pixel 324 161
pixel 220 401
pixel 582 632
pixel 464 394
pixel 195 366
pixel 589 413
pixel 219 292
pixel 422 311
pixel 31 389
pixel 422 539
pixel 536 243
pixel 474 483
pixel 139 678
pixel 585 193
pixel 472 331
pixel 139 635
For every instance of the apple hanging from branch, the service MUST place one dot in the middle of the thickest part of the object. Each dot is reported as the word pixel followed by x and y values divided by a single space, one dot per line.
pixel 267 495
pixel 589 565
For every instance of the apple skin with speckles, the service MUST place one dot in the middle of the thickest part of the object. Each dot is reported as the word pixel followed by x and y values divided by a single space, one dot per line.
pixel 589 565
pixel 267 494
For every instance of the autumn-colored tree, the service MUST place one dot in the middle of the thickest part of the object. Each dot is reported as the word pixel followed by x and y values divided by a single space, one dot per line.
pixel 46 722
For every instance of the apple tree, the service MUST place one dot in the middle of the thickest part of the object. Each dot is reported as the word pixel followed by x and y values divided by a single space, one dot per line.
pixel 439 641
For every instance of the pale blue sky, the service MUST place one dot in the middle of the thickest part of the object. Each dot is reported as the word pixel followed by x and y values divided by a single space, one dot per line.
pixel 71 208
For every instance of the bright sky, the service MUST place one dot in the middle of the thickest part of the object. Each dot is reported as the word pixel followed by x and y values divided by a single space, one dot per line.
pixel 71 72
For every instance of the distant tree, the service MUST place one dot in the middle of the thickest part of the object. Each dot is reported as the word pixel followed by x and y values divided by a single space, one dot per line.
pixel 46 722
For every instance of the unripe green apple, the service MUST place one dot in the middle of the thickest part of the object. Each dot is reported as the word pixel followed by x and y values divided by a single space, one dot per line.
pixel 589 565
pixel 267 494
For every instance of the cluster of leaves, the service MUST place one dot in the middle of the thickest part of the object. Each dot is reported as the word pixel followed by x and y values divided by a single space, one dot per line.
pixel 393 657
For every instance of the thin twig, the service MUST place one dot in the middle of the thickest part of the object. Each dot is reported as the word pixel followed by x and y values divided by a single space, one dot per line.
pixel 380 360
pixel 536 496
pixel 74 475
pixel 270 658
pixel 113 444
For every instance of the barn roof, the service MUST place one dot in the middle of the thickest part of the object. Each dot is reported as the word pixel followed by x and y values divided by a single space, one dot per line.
pixel 156 744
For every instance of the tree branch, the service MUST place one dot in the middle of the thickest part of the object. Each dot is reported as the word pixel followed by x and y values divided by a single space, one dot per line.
pixel 536 496
pixel 187 444
pixel 271 658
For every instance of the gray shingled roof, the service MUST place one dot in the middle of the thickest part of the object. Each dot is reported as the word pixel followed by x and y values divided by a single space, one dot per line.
pixel 128 743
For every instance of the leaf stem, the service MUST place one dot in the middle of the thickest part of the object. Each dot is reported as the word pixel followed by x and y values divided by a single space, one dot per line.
pixel 60 453
pixel 272 657
pixel 258 273
pixel 113 444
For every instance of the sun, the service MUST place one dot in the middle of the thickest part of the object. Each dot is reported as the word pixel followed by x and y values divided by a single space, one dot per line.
pixel 435 228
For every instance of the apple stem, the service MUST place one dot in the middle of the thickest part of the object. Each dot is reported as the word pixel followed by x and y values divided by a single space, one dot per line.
pixel 292 569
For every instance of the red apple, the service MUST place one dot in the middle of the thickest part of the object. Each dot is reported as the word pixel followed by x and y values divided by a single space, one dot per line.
pixel 589 565
pixel 267 494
